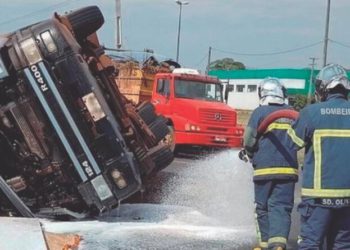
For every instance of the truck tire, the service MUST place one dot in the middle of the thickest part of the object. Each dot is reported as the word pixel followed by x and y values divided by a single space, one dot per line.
pixel 140 153
pixel 146 112
pixel 85 21
pixel 159 128
pixel 162 158
pixel 170 139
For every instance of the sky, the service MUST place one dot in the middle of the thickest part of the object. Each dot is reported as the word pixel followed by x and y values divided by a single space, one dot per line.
pixel 260 34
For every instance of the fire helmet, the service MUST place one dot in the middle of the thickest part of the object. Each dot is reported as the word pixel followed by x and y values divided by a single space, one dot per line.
pixel 331 76
pixel 271 90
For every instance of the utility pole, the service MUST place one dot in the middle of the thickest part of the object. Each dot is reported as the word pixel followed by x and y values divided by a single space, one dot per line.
pixel 209 58
pixel 180 3
pixel 326 34
pixel 313 63
pixel 118 24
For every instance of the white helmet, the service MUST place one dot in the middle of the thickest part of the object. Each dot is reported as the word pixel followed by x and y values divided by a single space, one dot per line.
pixel 271 90
pixel 328 78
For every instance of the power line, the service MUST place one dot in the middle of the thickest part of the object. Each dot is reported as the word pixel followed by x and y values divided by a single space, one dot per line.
pixel 201 61
pixel 36 12
pixel 270 53
pixel 340 43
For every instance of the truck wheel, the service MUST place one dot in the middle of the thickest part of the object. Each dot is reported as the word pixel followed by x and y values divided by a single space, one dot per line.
pixel 85 21
pixel 162 158
pixel 140 153
pixel 159 128
pixel 147 113
pixel 170 138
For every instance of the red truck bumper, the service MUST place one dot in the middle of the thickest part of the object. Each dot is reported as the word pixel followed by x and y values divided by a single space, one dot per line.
pixel 207 139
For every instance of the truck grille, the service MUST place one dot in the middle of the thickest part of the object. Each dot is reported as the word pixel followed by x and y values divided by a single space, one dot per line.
pixel 217 117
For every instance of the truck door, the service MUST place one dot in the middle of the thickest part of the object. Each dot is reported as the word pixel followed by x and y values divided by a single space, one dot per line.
pixel 161 96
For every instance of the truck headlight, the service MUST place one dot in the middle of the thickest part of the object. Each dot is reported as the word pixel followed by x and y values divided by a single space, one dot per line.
pixel 191 127
pixel 48 41
pixel 93 106
pixel 239 132
pixel 31 51
pixel 101 188
pixel 118 179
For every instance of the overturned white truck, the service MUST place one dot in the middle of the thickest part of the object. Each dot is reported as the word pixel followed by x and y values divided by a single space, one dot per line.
pixel 70 143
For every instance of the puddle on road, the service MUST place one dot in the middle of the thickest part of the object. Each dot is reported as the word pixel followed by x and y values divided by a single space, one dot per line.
pixel 207 205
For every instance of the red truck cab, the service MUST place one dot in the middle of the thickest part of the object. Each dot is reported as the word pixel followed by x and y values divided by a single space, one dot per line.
pixel 195 109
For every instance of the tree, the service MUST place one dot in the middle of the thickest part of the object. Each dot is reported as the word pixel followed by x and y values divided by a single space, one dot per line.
pixel 226 64
pixel 299 102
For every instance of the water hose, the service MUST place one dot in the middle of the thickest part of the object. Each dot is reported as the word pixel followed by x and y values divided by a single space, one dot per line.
pixel 282 113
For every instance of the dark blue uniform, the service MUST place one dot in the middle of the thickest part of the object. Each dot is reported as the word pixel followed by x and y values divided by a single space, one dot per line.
pixel 275 174
pixel 324 130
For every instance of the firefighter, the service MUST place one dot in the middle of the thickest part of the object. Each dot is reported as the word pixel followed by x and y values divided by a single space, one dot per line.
pixel 324 130
pixel 275 168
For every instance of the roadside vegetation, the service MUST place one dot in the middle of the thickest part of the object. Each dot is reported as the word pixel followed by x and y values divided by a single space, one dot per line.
pixel 299 102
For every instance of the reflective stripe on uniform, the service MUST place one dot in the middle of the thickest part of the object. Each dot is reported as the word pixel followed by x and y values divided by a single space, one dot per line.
pixel 263 244
pixel 281 126
pixel 317 190
pixel 276 170
pixel 277 240
pixel 297 140
pixel 330 193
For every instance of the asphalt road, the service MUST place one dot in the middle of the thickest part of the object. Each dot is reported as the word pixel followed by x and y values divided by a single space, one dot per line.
pixel 184 164
pixel 195 203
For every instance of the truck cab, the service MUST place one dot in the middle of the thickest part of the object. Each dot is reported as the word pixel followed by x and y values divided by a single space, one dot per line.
pixel 71 145
pixel 194 107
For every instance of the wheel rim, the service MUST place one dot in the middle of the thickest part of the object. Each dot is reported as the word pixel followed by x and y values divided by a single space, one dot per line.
pixel 170 139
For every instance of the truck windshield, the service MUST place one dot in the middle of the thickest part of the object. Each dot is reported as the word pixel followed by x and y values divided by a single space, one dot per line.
pixel 198 90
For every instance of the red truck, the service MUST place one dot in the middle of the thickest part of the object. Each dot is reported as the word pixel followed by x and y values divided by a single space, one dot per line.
pixel 193 104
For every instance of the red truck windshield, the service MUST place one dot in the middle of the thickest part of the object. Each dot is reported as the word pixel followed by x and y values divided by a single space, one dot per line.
pixel 198 90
